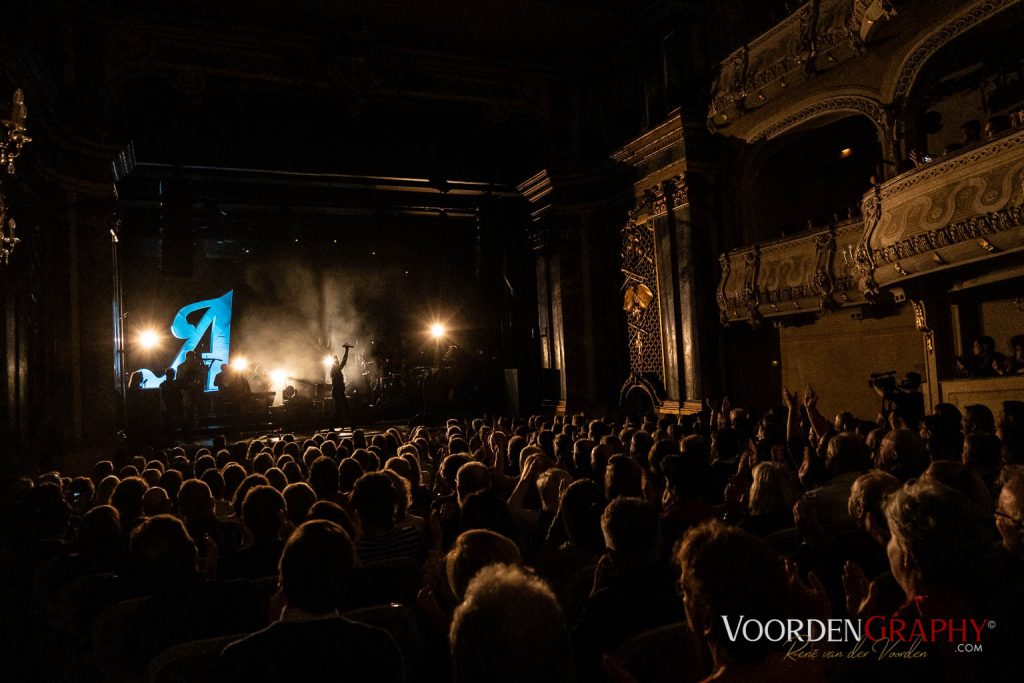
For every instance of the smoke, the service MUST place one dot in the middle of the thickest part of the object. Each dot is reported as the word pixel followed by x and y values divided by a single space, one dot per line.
pixel 294 317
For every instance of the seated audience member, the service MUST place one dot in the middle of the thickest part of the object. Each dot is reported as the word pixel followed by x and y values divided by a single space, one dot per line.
pixel 196 510
pixel 984 359
pixel 996 126
pixel 633 591
pixel 1011 432
pixel 1009 516
pixel 323 477
pixel 770 501
pixel 332 512
pixel 263 513
pixel 127 498
pixel 299 498
pixel 623 476
pixel 183 605
pixel 940 548
pixel 155 501
pixel 473 551
pixel 215 480
pixel 902 454
pixel 821 513
pixel 509 629
pixel 685 500
pixel 380 539
pixel 485 510
pixel 941 437
pixel 867 501
pixel 471 478
pixel 978 419
pixel 1013 364
pixel 349 470
pixel 716 582
pixel 962 478
pixel 311 640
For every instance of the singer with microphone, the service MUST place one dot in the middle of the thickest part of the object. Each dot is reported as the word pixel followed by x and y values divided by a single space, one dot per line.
pixel 338 387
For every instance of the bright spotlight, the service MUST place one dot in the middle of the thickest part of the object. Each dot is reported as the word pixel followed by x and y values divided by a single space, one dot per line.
pixel 240 364
pixel 279 377
pixel 328 360
pixel 149 339
pixel 437 330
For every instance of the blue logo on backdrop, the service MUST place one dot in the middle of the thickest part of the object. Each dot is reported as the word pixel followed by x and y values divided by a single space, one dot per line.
pixel 216 319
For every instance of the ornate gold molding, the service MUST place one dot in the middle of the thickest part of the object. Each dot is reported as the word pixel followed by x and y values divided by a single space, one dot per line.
pixel 867 106
pixel 960 208
pixel 811 273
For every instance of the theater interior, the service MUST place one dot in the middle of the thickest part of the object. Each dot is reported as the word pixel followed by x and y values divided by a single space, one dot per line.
pixel 660 242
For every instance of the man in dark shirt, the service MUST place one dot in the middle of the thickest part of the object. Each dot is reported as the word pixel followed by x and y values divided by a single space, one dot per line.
pixel 338 387
pixel 310 640
pixel 173 401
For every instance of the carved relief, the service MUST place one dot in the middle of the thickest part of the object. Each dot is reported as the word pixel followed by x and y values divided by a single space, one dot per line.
pixel 976 196
pixel 816 37
pixel 723 301
pixel 921 322
pixel 823 278
pixel 864 105
pixel 749 293
pixel 640 297
pixel 805 273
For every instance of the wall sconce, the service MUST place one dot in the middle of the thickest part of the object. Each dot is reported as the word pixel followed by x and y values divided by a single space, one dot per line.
pixel 12 139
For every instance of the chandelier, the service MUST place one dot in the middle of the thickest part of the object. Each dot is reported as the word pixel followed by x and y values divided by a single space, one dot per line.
pixel 12 139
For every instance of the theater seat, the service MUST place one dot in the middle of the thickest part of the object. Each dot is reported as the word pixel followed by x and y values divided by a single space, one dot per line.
pixel 196 661
pixel 400 622
pixel 385 582
pixel 265 589
pixel 667 654
pixel 110 641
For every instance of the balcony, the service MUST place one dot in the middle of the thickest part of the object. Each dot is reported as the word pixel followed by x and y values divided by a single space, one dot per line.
pixel 960 209
pixel 817 37
pixel 804 274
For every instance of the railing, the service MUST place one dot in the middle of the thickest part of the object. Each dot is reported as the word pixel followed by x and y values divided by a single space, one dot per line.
pixel 809 273
pixel 959 209
pixel 818 36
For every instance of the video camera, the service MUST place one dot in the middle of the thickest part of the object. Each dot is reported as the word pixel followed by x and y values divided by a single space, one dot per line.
pixel 886 381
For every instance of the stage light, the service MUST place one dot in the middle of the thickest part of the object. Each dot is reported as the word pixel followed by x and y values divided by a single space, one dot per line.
pixel 846 153
pixel 149 339
pixel 240 364
pixel 437 330
pixel 329 360
pixel 279 377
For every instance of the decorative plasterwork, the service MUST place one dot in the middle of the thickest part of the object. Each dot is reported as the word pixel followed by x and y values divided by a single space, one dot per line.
pixel 871 108
pixel 958 209
pixel 817 37
pixel 809 273
pixel 973 13
pixel 641 300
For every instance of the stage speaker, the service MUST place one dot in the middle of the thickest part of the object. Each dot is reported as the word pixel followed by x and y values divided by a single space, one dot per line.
pixel 177 251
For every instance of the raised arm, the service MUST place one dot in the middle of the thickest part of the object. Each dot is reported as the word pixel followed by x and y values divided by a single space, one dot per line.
pixel 819 424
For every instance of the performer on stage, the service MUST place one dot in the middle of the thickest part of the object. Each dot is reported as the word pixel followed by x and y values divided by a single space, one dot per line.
pixel 338 388
pixel 190 378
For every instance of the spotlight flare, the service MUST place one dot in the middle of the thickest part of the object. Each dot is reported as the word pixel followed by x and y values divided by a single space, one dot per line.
pixel 149 339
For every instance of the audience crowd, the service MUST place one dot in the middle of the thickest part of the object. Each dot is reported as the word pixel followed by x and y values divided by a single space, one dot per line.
pixel 540 549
